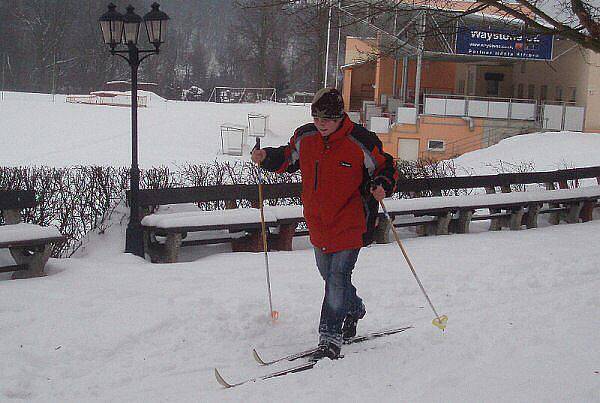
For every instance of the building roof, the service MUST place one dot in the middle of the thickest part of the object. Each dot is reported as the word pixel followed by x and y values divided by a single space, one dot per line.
pixel 356 64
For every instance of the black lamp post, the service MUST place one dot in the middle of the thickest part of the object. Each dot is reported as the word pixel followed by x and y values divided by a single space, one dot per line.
pixel 116 29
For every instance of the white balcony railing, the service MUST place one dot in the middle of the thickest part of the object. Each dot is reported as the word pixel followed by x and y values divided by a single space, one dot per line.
pixel 480 107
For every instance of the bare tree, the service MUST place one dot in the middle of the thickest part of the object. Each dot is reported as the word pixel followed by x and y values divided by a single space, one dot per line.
pixel 42 28
pixel 302 35
pixel 577 20
pixel 256 47
pixel 583 30
pixel 57 44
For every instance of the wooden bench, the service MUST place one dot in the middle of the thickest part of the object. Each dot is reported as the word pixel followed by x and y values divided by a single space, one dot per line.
pixel 445 214
pixel 166 232
pixel 30 245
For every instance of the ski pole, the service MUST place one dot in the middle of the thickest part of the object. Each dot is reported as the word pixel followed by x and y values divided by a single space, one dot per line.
pixel 274 314
pixel 439 321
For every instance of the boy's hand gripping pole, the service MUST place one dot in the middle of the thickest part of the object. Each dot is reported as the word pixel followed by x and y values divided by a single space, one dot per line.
pixel 438 321
pixel 274 314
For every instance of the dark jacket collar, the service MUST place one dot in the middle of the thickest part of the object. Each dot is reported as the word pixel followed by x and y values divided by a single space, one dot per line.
pixel 345 128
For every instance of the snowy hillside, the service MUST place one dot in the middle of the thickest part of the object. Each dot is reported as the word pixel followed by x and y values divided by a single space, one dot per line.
pixel 37 131
pixel 523 306
pixel 538 151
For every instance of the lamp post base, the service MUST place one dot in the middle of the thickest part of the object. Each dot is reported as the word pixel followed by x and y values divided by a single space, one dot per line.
pixel 134 240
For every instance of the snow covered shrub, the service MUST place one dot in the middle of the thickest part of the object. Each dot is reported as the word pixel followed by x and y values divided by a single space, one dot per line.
pixel 505 167
pixel 429 168
pixel 75 200
pixel 159 178
pixel 80 199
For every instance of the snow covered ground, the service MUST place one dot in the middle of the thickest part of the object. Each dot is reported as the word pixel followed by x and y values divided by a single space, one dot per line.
pixel 37 131
pixel 523 306
pixel 537 151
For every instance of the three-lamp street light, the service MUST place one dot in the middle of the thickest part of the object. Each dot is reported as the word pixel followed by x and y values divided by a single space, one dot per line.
pixel 124 29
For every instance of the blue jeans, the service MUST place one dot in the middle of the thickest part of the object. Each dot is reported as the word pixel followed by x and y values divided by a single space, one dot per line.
pixel 340 295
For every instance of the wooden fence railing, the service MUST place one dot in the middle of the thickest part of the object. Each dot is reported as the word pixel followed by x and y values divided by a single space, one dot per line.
pixel 150 197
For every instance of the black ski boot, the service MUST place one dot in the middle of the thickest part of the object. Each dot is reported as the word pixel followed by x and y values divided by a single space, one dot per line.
pixel 326 350
pixel 350 323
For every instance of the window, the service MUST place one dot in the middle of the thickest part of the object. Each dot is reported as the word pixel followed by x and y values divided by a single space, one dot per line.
pixel 436 145
pixel 573 92
pixel 559 94
pixel 543 92
pixel 520 91
pixel 492 87
pixel 461 87
pixel 523 68
pixel 531 91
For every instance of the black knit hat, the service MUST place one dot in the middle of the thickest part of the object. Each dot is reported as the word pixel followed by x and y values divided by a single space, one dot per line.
pixel 327 103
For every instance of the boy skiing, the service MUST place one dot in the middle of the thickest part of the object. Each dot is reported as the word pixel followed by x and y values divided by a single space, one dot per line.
pixel 345 174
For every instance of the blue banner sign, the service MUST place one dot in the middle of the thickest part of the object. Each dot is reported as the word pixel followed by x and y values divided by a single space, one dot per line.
pixel 476 42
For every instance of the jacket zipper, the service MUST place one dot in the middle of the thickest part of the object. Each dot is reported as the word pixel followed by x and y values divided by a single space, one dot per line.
pixel 326 141
pixel 316 174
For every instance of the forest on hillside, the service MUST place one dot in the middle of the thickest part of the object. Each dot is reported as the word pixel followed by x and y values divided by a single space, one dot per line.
pixel 56 46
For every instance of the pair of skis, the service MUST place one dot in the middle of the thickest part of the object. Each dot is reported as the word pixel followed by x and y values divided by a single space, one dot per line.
pixel 299 355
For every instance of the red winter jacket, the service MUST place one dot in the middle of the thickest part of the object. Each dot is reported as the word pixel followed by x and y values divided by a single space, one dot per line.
pixel 337 173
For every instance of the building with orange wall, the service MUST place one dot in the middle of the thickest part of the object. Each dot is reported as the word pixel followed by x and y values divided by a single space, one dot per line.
pixel 569 81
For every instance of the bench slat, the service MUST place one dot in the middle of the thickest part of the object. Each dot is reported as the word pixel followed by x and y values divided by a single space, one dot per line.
pixel 16 199
pixel 209 227
pixel 476 217
pixel 465 182
pixel 196 194
pixel 16 267
pixel 31 242
pixel 206 241
pixel 439 204
pixel 27 234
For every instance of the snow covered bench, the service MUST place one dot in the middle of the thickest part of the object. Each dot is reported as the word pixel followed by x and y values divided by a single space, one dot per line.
pixel 445 214
pixel 168 228
pixel 30 245
pixel 179 223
